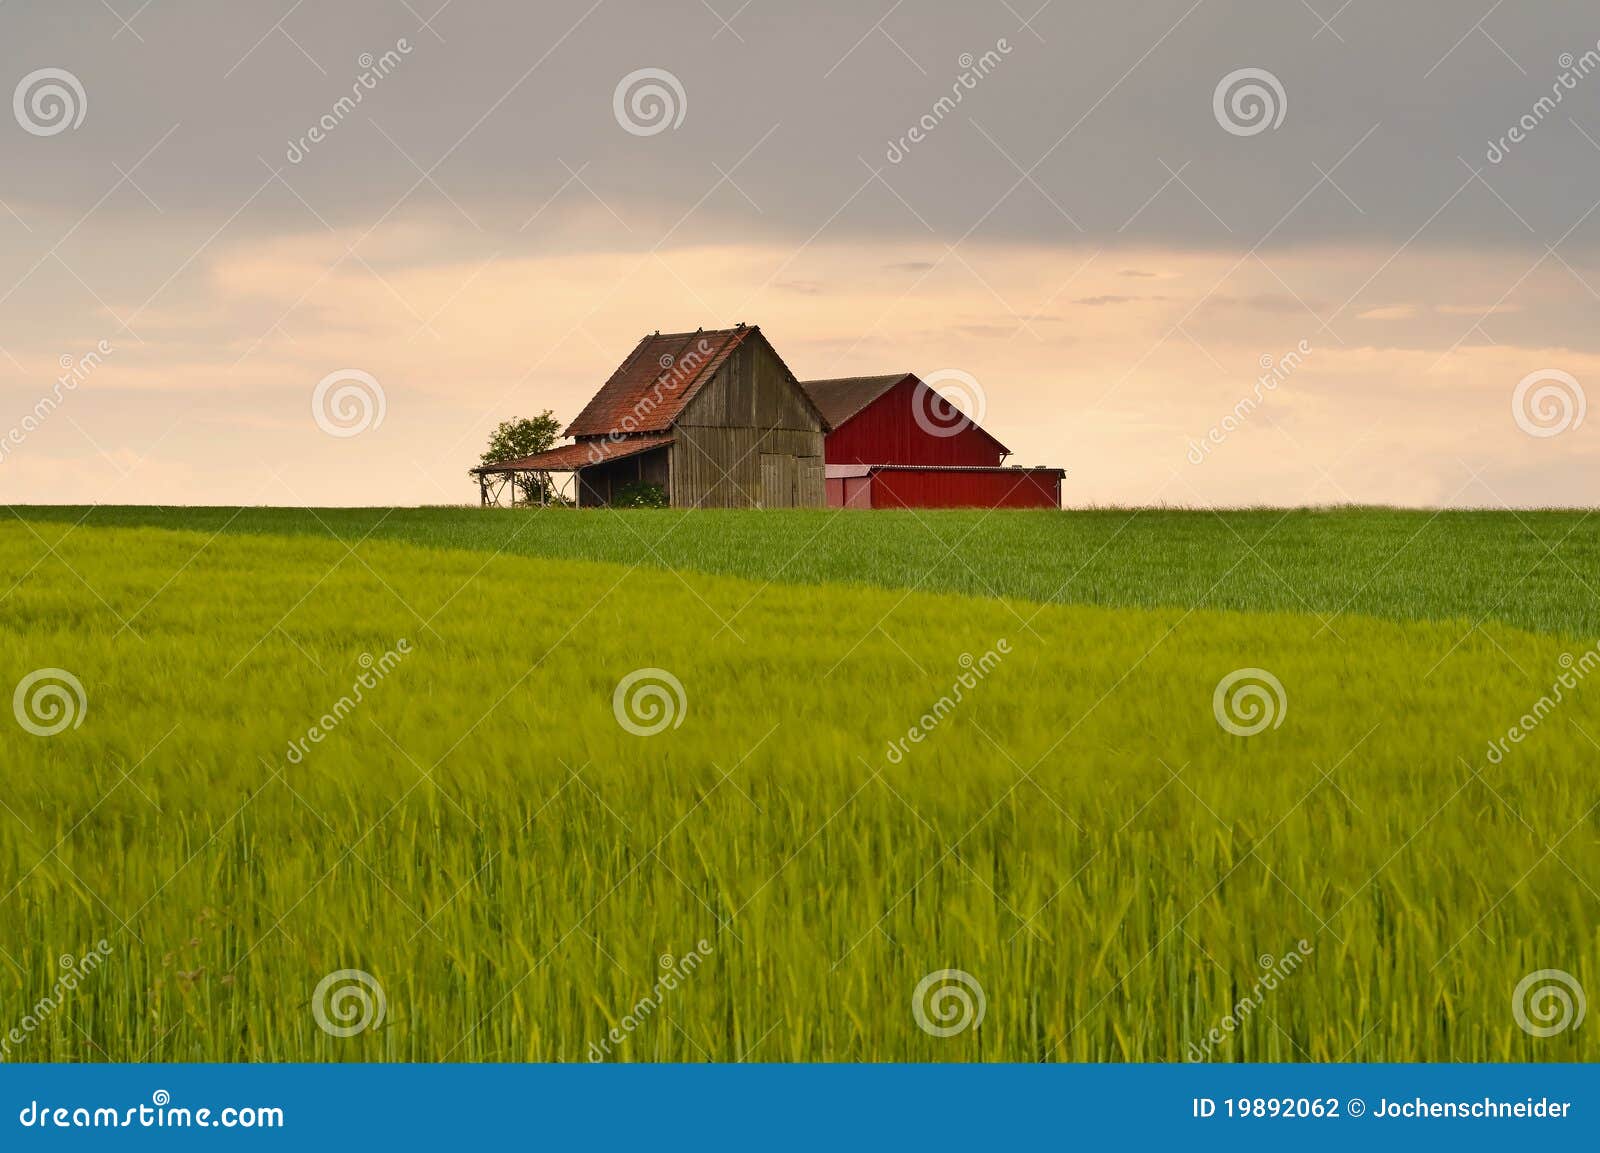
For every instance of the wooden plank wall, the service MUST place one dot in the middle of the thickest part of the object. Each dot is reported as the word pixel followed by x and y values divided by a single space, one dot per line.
pixel 750 408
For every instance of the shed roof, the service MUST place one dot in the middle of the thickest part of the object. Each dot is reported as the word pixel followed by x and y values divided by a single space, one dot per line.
pixel 842 397
pixel 570 457
pixel 659 377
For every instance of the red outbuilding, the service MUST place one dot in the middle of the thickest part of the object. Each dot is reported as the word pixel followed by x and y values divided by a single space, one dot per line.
pixel 894 442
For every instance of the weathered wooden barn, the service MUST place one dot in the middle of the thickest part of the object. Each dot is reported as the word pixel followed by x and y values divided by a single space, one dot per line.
pixel 717 420
pixel 714 417
pixel 893 442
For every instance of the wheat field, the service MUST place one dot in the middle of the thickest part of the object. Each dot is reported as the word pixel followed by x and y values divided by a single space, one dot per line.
pixel 313 799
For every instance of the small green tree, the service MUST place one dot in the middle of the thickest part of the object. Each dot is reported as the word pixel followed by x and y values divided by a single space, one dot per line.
pixel 524 436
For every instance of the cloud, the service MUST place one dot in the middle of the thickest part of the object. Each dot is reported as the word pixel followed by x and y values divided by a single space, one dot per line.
pixel 1476 310
pixel 1389 312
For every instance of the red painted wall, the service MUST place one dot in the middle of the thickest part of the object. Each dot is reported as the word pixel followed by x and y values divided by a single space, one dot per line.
pixel 849 492
pixel 1009 488
pixel 887 432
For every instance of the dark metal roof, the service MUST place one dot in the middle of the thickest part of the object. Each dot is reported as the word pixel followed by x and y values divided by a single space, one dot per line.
pixel 842 397
pixel 660 376
pixel 571 457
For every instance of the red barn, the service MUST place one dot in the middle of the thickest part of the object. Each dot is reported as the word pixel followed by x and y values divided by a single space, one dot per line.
pixel 896 443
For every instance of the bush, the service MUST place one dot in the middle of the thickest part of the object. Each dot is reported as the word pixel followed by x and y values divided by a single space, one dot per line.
pixel 640 495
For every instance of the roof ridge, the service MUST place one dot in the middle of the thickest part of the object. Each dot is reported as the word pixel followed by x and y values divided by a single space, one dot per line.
pixel 662 375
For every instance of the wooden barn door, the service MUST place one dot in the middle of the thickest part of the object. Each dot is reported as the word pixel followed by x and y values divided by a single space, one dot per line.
pixel 811 483
pixel 773 490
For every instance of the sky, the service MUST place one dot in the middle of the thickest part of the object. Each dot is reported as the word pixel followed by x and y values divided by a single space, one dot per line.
pixel 1195 252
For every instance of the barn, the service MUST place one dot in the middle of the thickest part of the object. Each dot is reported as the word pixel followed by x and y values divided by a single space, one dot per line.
pixel 714 417
pixel 894 442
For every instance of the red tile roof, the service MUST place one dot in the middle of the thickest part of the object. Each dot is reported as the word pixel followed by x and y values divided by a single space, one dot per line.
pixel 569 457
pixel 659 377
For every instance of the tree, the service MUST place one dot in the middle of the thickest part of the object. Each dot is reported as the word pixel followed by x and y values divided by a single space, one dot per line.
pixel 524 436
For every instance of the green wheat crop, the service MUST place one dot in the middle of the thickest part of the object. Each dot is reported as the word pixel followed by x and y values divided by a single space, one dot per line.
pixel 516 870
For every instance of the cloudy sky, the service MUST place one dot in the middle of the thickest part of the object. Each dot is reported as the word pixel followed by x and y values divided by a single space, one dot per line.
pixel 1114 219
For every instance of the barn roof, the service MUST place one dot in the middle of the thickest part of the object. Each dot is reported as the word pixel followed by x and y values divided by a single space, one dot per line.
pixel 842 397
pixel 569 457
pixel 659 377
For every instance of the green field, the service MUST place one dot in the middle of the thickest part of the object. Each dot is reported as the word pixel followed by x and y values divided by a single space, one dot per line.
pixel 1536 570
pixel 1079 833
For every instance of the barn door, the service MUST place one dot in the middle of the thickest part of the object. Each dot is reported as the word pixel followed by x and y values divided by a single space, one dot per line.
pixel 773 491
pixel 811 483
pixel 791 481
